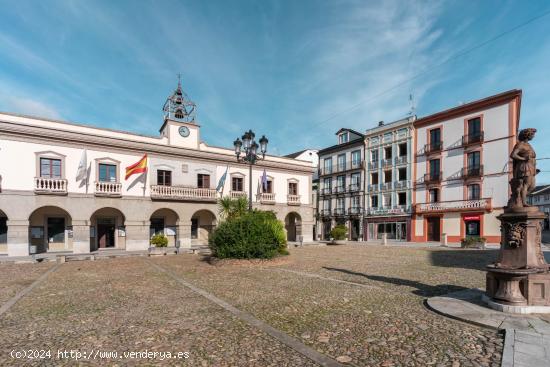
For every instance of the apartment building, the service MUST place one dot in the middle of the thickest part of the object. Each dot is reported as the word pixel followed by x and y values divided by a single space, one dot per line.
pixel 341 185
pixel 389 152
pixel 462 168
pixel 63 185
pixel 540 197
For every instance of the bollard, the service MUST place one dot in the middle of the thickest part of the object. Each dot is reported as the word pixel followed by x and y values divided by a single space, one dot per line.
pixel 384 239
pixel 444 240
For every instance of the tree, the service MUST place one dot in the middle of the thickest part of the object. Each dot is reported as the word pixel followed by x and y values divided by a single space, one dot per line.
pixel 230 208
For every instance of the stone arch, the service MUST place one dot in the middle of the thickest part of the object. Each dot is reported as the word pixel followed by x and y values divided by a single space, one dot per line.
pixel 3 232
pixel 49 230
pixel 203 221
pixel 107 229
pixel 293 226
pixel 165 221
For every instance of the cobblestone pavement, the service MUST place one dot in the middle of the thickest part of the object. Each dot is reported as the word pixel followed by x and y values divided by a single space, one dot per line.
pixel 15 277
pixel 127 305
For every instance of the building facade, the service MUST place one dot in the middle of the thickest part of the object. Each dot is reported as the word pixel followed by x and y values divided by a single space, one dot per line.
pixel 462 169
pixel 389 155
pixel 540 197
pixel 341 185
pixel 63 186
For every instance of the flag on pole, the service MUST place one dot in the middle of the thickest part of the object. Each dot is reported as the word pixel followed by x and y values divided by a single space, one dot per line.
pixel 81 173
pixel 221 182
pixel 138 167
pixel 259 189
pixel 264 181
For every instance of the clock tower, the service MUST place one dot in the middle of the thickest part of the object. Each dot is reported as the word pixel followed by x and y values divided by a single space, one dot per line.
pixel 179 120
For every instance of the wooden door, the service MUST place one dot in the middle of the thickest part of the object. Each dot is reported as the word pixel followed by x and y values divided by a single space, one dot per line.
pixel 433 229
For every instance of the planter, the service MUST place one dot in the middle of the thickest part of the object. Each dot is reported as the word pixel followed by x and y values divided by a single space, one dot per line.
pixel 473 243
pixel 337 242
pixel 33 249
pixel 161 251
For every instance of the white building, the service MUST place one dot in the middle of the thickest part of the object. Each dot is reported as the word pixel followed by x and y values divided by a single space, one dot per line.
pixel 462 168
pixel 44 207
pixel 540 197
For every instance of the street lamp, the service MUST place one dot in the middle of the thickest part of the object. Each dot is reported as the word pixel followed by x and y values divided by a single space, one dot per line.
pixel 249 148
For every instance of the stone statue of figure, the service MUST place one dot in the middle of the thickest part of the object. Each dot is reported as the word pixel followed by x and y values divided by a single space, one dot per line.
pixel 524 169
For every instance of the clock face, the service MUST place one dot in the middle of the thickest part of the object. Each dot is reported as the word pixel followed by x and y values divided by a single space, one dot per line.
pixel 184 131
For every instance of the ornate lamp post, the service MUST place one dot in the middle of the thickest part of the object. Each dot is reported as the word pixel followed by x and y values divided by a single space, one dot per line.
pixel 249 148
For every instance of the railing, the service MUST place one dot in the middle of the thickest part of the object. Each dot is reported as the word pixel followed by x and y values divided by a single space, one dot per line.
pixel 373 164
pixel 237 194
pixel 339 189
pixel 183 193
pixel 326 191
pixel 293 199
pixel 108 188
pixel 386 162
pixel 401 184
pixel 432 177
pixel 339 211
pixel 454 205
pixel 354 187
pixel 433 147
pixel 386 186
pixel 50 185
pixel 475 138
pixel 325 171
pixel 373 187
pixel 401 160
pixel 355 210
pixel 475 171
pixel 325 212
pixel 384 210
pixel 341 167
pixel 266 198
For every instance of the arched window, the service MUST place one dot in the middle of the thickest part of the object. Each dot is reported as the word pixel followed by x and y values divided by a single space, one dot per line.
pixel 179 114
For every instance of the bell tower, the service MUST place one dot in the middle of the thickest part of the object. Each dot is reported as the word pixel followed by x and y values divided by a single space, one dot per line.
pixel 179 120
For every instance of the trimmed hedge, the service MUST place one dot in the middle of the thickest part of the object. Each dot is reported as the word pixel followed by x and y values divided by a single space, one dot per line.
pixel 253 235
pixel 340 232
pixel 159 240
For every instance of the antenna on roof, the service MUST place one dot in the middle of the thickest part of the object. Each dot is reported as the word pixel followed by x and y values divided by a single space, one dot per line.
pixel 412 109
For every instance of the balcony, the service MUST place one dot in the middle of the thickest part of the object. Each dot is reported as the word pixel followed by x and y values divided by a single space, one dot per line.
pixel 325 191
pixel 401 184
pixel 389 210
pixel 401 160
pixel 472 172
pixel 386 162
pixel 325 212
pixel 325 171
pixel 454 206
pixel 373 165
pixel 433 147
pixel 433 177
pixel 266 198
pixel 356 210
pixel 348 166
pixel 386 186
pixel 471 139
pixel 339 212
pixel 293 199
pixel 113 189
pixel 237 194
pixel 372 188
pixel 180 193
pixel 52 186
pixel 339 190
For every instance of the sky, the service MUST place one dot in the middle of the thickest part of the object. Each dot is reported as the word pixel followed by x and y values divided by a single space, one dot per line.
pixel 296 71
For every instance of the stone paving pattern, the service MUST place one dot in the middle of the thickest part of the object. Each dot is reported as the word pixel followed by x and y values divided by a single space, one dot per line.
pixel 126 305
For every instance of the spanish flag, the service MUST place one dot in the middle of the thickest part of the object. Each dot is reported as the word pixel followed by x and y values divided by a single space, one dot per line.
pixel 138 167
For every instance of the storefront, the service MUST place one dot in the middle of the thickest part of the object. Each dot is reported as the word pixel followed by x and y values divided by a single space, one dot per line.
pixel 472 225
pixel 395 228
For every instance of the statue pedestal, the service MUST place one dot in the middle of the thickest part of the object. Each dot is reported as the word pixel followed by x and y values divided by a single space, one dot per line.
pixel 520 276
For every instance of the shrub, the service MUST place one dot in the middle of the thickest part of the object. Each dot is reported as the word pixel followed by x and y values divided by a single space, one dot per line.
pixel 473 241
pixel 340 232
pixel 231 208
pixel 159 240
pixel 253 235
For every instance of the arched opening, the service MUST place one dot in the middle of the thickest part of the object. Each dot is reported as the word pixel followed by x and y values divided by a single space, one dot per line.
pixel 202 224
pixel 165 221
pixel 107 229
pixel 49 230
pixel 3 233
pixel 293 225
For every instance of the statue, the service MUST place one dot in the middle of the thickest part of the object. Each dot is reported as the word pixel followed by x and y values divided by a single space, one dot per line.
pixel 524 170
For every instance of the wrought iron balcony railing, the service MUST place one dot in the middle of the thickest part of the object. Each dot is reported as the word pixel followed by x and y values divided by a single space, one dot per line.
pixel 433 147
pixel 433 177
pixel 473 171
pixel 474 138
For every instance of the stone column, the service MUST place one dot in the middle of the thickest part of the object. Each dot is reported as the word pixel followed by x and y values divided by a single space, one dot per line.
pixel 81 237
pixel 137 235
pixel 184 235
pixel 18 237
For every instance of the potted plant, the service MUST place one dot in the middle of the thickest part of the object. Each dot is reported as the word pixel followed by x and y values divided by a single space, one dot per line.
pixel 159 244
pixel 473 242
pixel 339 234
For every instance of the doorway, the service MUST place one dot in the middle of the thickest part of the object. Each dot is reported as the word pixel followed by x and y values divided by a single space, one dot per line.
pixel 106 232
pixel 434 233
pixel 194 228
pixel 355 229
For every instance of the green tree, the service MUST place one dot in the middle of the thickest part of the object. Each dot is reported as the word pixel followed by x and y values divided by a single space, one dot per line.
pixel 230 208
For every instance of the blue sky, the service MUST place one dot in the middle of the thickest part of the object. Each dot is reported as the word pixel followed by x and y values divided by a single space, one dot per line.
pixel 296 71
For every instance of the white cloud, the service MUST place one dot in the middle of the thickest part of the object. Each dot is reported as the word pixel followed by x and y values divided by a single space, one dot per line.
pixel 28 106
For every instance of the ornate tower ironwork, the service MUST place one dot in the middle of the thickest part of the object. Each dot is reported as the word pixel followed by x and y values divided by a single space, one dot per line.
pixel 179 107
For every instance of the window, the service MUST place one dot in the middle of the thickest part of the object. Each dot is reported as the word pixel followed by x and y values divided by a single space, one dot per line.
pixel 402 148
pixel 356 158
pixel 107 173
pixel 387 152
pixel 56 230
pixel 203 181
pixel 387 176
pixel 434 195
pixel 293 188
pixel 374 155
pixel 340 203
pixel 473 192
pixel 341 182
pixel 474 160
pixel 156 227
pixel 50 168
pixel 326 204
pixel 474 127
pixel 387 200
pixel 327 183
pixel 374 178
pixel 237 184
pixel 402 172
pixel 435 166
pixel 328 165
pixel 374 201
pixel 341 162
pixel 343 138
pixel 435 138
pixel 402 198
pixel 269 186
pixel 164 178
pixel 546 197
pixel 355 202
pixel 355 181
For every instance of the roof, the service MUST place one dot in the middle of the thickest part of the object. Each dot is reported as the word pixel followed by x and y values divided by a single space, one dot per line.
pixel 390 125
pixel 342 146
pixel 350 130
pixel 540 189
pixel 295 154
pixel 471 107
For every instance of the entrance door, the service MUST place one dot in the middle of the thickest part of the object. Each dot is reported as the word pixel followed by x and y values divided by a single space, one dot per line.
pixel 355 230
pixel 194 228
pixel 433 229
pixel 3 231
pixel 106 232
